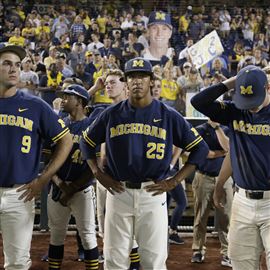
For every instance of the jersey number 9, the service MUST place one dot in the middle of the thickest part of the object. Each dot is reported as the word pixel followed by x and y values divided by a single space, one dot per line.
pixel 26 144
pixel 155 151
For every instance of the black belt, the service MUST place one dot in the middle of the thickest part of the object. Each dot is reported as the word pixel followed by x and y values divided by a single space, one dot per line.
pixel 254 195
pixel 208 173
pixel 135 185
pixel 8 186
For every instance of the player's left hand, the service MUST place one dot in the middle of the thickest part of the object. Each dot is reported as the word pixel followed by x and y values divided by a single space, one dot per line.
pixel 161 186
pixel 31 190
pixel 219 197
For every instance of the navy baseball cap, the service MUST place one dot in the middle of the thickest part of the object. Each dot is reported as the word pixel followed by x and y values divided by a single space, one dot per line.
pixel 138 64
pixel 75 89
pixel 20 51
pixel 250 89
pixel 160 17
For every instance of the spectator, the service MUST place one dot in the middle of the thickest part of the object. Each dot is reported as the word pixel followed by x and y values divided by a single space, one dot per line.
pixel 218 67
pixel 17 39
pixel 170 90
pixel 263 44
pixel 105 50
pixel 29 79
pixel 38 66
pixel 28 32
pixel 76 56
pixel 196 28
pixel 81 74
pixel 60 27
pixel 127 23
pixel 183 55
pixel 225 19
pixel 132 48
pixel 51 58
pixel 95 44
pixel 143 39
pixel 50 83
pixel 77 28
pixel 80 40
pixel 62 65
pixel 259 60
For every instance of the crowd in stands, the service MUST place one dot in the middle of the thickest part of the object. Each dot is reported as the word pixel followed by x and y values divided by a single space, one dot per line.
pixel 70 42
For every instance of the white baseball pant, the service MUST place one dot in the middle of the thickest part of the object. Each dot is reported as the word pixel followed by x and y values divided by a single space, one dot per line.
pixel 16 223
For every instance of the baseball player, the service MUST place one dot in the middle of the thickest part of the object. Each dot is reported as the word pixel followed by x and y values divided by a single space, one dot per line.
pixel 72 190
pixel 203 185
pixel 139 133
pixel 116 90
pixel 249 122
pixel 24 122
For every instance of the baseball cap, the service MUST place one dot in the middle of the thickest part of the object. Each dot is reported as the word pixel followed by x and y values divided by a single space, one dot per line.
pixel 61 55
pixel 160 17
pixel 88 53
pixel 187 64
pixel 138 64
pixel 20 51
pixel 75 89
pixel 249 88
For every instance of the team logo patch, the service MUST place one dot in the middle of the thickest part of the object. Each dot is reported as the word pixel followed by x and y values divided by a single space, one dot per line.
pixel 138 63
pixel 22 109
pixel 160 16
pixel 246 90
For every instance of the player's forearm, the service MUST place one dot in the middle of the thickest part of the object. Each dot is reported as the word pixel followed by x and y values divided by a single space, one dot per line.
pixel 225 171
pixel 93 164
pixel 223 139
pixel 63 147
pixel 185 171
pixel 205 101
pixel 176 155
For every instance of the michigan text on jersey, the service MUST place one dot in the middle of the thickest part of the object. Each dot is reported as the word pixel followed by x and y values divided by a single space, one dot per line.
pixel 250 129
pixel 138 128
pixel 17 121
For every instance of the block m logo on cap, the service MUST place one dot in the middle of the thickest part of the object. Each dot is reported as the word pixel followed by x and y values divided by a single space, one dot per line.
pixel 160 16
pixel 246 90
pixel 138 63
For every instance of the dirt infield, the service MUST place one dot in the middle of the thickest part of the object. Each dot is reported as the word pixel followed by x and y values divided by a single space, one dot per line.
pixel 179 258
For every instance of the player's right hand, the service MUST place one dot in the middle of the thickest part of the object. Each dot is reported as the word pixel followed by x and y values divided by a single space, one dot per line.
pixel 31 190
pixel 110 184
pixel 219 196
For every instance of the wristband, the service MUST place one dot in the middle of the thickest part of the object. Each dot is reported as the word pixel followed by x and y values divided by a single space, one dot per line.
pixel 217 127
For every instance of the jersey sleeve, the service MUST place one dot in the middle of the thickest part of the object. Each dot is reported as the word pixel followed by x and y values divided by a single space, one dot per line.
pixel 93 137
pixel 188 138
pixel 218 111
pixel 52 127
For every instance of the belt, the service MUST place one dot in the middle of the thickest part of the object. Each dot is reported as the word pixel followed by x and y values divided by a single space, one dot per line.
pixel 208 173
pixel 8 186
pixel 137 185
pixel 254 195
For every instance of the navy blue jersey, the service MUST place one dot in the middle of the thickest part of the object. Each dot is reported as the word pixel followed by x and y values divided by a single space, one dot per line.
pixel 74 166
pixel 211 165
pixel 249 137
pixel 24 122
pixel 139 140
